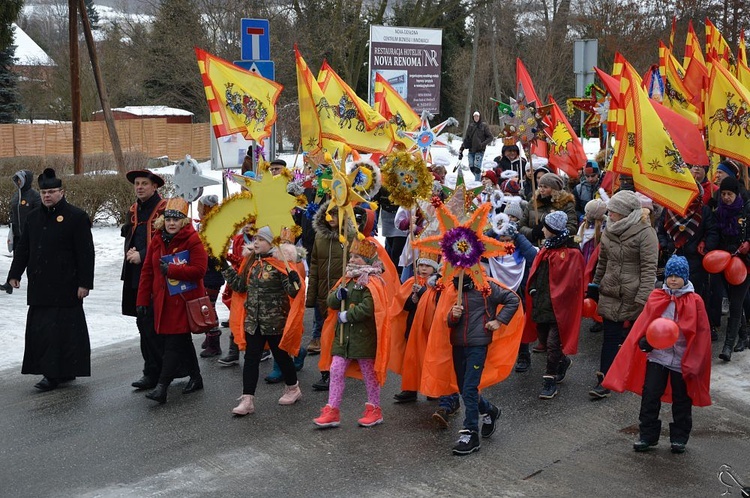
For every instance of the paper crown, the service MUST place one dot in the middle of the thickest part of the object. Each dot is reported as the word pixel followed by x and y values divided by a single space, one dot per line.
pixel 176 207
pixel 364 248
pixel 432 260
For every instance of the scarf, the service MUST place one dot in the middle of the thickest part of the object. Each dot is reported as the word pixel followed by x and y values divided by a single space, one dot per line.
pixel 682 228
pixel 558 240
pixel 725 217
pixel 362 273
pixel 618 227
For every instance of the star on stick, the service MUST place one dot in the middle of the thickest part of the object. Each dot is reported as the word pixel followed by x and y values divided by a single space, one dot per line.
pixel 273 205
pixel 188 181
pixel 426 137
pixel 343 198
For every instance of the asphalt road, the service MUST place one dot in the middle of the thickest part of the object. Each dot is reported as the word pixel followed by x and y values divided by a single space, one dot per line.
pixel 98 438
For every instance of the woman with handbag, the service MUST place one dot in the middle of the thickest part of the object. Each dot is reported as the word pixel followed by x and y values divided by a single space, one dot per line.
pixel 172 275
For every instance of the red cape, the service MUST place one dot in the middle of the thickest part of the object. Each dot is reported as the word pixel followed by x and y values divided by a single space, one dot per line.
pixel 629 368
pixel 588 275
pixel 438 375
pixel 292 336
pixel 566 276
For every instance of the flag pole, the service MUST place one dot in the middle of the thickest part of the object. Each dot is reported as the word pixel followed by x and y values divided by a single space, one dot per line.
pixel 533 185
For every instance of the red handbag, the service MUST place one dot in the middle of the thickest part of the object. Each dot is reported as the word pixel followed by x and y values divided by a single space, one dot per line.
pixel 201 315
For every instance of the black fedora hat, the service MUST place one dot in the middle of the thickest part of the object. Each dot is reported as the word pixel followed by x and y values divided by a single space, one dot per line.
pixel 144 173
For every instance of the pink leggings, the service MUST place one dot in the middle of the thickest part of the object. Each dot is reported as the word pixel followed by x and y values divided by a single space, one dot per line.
pixel 336 386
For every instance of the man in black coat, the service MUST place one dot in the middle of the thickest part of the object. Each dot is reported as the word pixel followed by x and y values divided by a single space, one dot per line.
pixel 56 250
pixel 22 202
pixel 138 232
pixel 478 136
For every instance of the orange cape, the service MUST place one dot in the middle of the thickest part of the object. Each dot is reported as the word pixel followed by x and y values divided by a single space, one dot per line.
pixel 390 274
pixel 399 317
pixel 292 336
pixel 377 288
pixel 438 376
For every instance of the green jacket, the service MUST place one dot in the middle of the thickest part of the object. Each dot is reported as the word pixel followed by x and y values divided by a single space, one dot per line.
pixel 360 331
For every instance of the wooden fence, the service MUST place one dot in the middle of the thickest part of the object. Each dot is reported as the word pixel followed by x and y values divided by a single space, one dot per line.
pixel 153 137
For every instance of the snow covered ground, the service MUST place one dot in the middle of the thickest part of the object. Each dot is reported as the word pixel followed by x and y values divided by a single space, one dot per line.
pixel 108 326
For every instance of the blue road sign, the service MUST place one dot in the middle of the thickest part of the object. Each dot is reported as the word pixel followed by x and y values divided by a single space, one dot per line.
pixel 256 41
pixel 267 69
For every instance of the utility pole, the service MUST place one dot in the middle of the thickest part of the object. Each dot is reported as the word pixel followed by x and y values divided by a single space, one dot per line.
pixel 75 86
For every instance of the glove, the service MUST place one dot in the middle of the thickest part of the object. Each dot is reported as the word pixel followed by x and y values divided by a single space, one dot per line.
pixel 341 293
pixel 163 266
pixel 536 232
pixel 701 248
pixel 592 292
pixel 141 311
pixel 744 248
pixel 293 277
pixel 644 345
pixel 342 316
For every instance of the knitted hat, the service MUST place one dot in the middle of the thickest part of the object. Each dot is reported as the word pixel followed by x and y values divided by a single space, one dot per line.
pixel 509 174
pixel 552 181
pixel 491 175
pixel 555 222
pixel 209 200
pixel 591 168
pixel 429 260
pixel 624 202
pixel 730 183
pixel 510 187
pixel 729 168
pixel 476 113
pixel 265 234
pixel 176 207
pixel 595 209
pixel 677 265
pixel 48 180
pixel 514 209
pixel 508 229
pixel 144 173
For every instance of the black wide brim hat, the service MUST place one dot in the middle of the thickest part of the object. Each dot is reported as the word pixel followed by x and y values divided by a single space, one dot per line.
pixel 144 173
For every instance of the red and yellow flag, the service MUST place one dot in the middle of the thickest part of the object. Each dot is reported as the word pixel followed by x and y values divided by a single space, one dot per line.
pixel 567 152
pixel 676 96
pixel 727 115
pixel 392 106
pixel 347 118
pixel 239 101
pixel 718 48
pixel 743 71
pixel 693 48
pixel 526 94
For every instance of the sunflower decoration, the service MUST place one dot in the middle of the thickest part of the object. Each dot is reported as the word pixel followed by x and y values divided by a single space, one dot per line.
pixel 407 179
pixel 343 198
pixel 367 179
pixel 464 245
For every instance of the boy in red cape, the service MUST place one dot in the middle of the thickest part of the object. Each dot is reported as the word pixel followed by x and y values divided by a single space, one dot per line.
pixel 686 364
pixel 360 332
pixel 554 296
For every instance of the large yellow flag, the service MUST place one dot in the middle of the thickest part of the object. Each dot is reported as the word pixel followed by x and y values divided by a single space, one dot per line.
pixel 728 115
pixel 743 71
pixel 347 118
pixel 239 101
pixel 676 96
pixel 718 48
pixel 393 107
pixel 658 168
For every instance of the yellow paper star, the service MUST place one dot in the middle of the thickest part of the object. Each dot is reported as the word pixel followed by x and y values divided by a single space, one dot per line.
pixel 273 205
pixel 343 198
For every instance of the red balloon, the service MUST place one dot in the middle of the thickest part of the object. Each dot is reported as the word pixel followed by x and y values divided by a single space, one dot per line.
pixel 736 271
pixel 716 261
pixel 589 308
pixel 662 333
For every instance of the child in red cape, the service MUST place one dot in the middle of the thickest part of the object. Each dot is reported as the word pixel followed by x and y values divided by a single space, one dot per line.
pixel 360 332
pixel 554 296
pixel 686 364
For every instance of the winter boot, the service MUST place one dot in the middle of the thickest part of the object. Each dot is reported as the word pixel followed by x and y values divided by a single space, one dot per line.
pixel 726 352
pixel 322 384
pixel 599 391
pixel 7 287
pixel 159 394
pixel 299 360
pixel 194 384
pixel 313 347
pixel 523 362
pixel 291 395
pixel 405 396
pixel 246 405
pixel 489 421
pixel 549 389
pixel 468 442
pixel 714 333
pixel 742 340
pixel 562 368
pixel 275 376
pixel 213 345
pixel 232 357
pixel 372 415
pixel 329 417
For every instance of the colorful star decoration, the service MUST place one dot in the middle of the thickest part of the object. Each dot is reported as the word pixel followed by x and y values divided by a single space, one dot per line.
pixel 590 105
pixel 343 198
pixel 521 122
pixel 463 245
pixel 426 137
pixel 273 205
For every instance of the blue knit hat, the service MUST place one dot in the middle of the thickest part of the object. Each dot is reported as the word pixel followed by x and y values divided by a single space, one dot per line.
pixel 677 265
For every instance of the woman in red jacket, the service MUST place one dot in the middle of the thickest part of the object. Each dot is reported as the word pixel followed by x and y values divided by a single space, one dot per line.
pixel 172 274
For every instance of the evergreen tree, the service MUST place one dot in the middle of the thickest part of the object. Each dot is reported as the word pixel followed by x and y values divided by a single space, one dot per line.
pixel 10 100
pixel 92 13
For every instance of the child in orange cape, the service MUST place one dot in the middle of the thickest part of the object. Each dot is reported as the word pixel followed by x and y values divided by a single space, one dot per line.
pixel 680 374
pixel 356 329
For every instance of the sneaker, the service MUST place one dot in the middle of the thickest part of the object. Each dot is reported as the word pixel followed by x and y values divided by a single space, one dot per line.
pixel 678 447
pixel 441 418
pixel 489 421
pixel 468 442
pixel 329 417
pixel 313 347
pixel 405 396
pixel 539 348
pixel 291 395
pixel 643 445
pixel 599 392
pixel 562 368
pixel 549 389
pixel 322 384
pixel 266 354
pixel 231 359
pixel 372 415
pixel 523 363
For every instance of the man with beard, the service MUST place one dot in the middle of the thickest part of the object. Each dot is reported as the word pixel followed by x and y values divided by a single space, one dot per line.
pixel 56 250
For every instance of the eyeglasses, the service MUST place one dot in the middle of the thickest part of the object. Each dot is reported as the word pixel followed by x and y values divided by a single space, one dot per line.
pixel 50 191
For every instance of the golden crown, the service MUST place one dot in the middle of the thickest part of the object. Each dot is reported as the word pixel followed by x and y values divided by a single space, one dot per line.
pixel 364 248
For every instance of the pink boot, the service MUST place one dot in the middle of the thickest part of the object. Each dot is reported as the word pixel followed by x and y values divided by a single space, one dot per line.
pixel 246 405
pixel 291 395
pixel 373 415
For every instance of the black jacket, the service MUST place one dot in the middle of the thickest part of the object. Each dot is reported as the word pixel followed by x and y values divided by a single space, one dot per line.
pixel 478 136
pixel 56 250
pixel 478 310
pixel 23 201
